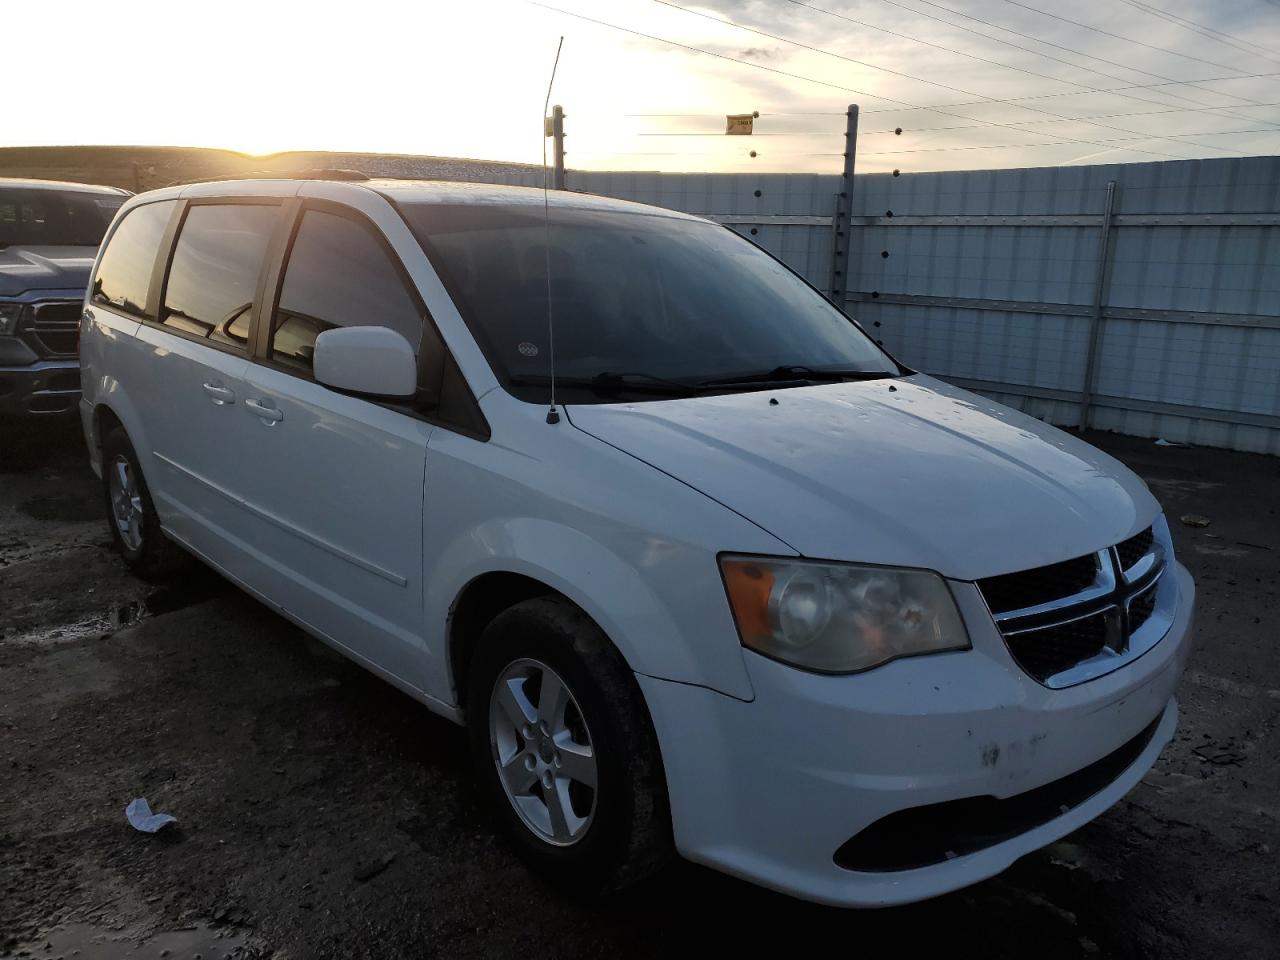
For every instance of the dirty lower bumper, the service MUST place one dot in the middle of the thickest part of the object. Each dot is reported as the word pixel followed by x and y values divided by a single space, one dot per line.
pixel 43 387
pixel 774 790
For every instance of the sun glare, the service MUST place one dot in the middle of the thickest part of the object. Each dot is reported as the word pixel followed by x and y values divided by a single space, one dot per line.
pixel 645 86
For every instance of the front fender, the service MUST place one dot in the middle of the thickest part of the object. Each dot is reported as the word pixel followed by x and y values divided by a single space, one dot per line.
pixel 698 644
pixel 634 548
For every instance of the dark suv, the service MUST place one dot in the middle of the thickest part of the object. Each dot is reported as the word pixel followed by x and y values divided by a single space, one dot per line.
pixel 49 236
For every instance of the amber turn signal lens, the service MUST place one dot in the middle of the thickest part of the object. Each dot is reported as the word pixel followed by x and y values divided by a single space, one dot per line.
pixel 749 585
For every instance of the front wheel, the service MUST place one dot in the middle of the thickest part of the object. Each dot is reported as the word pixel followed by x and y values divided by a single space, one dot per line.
pixel 565 749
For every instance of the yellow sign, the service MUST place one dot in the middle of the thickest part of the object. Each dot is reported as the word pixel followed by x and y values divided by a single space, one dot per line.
pixel 739 124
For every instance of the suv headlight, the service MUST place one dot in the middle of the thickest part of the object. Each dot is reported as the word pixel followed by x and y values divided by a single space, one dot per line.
pixel 840 617
pixel 9 313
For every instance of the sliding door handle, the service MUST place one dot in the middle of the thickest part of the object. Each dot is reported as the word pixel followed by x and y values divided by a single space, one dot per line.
pixel 219 394
pixel 267 414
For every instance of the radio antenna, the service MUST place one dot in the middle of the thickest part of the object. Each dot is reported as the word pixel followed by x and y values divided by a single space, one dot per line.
pixel 553 415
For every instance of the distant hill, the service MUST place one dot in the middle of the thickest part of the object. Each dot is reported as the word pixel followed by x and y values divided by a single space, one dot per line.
pixel 148 168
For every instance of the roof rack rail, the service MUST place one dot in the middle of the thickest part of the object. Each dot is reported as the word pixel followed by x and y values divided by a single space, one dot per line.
pixel 321 173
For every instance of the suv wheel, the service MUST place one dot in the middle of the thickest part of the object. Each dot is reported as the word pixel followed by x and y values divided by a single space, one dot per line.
pixel 131 515
pixel 565 750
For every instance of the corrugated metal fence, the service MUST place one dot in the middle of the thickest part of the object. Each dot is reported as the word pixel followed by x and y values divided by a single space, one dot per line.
pixel 1151 307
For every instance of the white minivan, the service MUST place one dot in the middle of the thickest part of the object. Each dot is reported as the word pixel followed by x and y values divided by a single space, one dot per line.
pixel 738 586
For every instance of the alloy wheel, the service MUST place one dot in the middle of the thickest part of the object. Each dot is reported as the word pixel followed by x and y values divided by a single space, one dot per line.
pixel 126 502
pixel 543 752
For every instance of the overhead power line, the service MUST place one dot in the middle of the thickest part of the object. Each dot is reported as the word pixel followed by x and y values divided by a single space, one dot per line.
pixel 710 53
pixel 1173 138
pixel 1166 81
pixel 1016 123
pixel 1013 100
pixel 1043 143
pixel 866 153
pixel 1231 40
pixel 915 131
pixel 953 50
pixel 1222 108
pixel 1051 96
pixel 825 83
pixel 1116 36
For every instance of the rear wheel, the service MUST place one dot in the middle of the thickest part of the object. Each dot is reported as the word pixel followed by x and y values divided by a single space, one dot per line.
pixel 131 516
pixel 565 749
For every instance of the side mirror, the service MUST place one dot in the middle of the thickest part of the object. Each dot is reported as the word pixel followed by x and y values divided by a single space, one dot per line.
pixel 375 361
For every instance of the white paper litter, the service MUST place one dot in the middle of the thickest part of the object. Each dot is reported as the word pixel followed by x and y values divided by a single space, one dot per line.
pixel 141 818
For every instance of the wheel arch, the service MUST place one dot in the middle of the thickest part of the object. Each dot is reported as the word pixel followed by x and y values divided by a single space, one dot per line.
pixel 480 601
pixel 104 421
pixel 470 588
pixel 118 411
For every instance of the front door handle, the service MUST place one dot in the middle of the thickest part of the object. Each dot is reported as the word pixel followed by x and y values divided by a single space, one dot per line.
pixel 219 394
pixel 268 414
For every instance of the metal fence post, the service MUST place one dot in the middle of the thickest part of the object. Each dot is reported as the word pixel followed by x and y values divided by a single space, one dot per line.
pixel 557 132
pixel 842 235
pixel 1101 281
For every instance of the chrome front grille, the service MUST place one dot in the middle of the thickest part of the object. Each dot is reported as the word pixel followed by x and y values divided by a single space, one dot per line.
pixel 1141 607
pixel 1049 651
pixel 1079 619
pixel 55 325
pixel 1131 551
pixel 1030 588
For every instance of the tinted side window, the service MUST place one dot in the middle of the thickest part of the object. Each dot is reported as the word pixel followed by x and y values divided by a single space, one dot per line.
pixel 214 272
pixel 338 275
pixel 8 217
pixel 124 273
pixel 56 217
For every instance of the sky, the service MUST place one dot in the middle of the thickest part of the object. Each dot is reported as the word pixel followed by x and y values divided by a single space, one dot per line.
pixel 646 84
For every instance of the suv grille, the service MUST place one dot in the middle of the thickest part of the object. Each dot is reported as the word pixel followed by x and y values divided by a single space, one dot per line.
pixel 56 326
pixel 1141 608
pixel 1135 548
pixel 1071 621
pixel 1047 652
pixel 1030 588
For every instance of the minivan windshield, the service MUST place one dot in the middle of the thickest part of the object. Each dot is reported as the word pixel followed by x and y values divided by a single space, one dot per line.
pixel 55 218
pixel 646 305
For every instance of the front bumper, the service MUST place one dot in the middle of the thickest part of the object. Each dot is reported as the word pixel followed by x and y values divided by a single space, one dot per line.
pixel 39 388
pixel 770 790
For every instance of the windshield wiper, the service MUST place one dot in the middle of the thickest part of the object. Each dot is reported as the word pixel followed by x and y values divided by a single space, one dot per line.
pixel 614 382
pixel 796 374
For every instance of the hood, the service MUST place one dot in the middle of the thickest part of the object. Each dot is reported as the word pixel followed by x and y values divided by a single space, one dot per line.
pixel 45 268
pixel 908 472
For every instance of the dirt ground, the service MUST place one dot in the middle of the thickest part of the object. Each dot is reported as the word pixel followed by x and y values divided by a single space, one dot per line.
pixel 323 814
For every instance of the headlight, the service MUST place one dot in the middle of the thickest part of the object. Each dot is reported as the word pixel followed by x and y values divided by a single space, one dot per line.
pixel 9 313
pixel 837 617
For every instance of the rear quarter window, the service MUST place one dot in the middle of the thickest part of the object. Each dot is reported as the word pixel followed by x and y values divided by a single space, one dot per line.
pixel 124 272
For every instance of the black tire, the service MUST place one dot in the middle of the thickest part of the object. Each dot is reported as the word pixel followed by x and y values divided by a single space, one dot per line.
pixel 629 834
pixel 156 557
